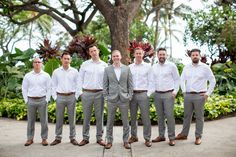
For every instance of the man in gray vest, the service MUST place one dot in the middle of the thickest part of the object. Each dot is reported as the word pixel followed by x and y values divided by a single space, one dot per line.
pixel 36 90
pixel 194 79
pixel 142 80
pixel 91 80
pixel 65 92
pixel 118 90
pixel 166 83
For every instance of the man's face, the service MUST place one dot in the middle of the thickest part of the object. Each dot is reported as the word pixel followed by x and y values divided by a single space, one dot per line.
pixel 37 64
pixel 65 60
pixel 94 52
pixel 116 57
pixel 138 54
pixel 162 56
pixel 195 56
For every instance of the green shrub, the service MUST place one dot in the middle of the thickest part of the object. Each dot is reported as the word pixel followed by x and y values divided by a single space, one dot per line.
pixel 215 107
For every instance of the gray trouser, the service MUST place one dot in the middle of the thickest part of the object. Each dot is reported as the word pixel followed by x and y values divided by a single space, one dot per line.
pixel 112 107
pixel 88 100
pixel 164 103
pixel 193 102
pixel 34 105
pixel 61 103
pixel 140 100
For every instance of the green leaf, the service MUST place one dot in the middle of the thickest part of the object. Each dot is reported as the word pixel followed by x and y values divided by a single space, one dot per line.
pixel 51 65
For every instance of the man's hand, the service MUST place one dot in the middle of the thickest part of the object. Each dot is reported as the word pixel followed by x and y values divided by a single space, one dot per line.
pixel 173 94
pixel 205 96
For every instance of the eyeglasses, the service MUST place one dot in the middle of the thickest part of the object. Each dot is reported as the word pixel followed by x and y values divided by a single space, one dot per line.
pixel 37 62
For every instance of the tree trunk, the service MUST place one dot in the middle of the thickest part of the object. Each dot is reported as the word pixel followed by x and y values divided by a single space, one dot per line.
pixel 119 32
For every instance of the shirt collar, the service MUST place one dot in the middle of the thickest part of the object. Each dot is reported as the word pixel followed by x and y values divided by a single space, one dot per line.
pixel 41 71
pixel 99 61
pixel 142 63
pixel 64 69
pixel 199 64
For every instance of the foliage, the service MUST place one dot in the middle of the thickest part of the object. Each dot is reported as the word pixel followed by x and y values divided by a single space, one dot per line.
pixel 215 28
pixel 146 47
pixel 79 45
pixel 225 74
pixel 78 49
pixel 216 107
pixel 13 70
pixel 51 65
pixel 46 51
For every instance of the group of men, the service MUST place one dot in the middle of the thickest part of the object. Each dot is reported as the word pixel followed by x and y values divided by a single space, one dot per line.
pixel 123 87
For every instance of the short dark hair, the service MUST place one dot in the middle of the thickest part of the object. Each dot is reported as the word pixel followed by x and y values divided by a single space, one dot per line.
pixel 65 53
pixel 195 50
pixel 92 45
pixel 161 49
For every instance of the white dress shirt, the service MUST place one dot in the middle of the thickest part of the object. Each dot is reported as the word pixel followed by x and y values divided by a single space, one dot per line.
pixel 65 81
pixel 194 78
pixel 36 85
pixel 165 77
pixel 117 72
pixel 141 74
pixel 91 75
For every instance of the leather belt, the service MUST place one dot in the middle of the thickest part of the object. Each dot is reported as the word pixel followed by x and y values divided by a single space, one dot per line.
pixel 36 97
pixel 92 90
pixel 66 94
pixel 139 91
pixel 164 91
pixel 196 92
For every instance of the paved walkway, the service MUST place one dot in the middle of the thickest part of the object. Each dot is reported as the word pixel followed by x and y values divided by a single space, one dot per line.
pixel 219 141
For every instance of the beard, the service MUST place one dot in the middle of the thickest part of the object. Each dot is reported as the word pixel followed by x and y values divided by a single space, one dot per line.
pixel 195 60
pixel 162 60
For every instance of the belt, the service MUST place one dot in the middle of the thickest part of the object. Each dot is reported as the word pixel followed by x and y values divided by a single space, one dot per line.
pixel 196 92
pixel 36 97
pixel 66 94
pixel 164 91
pixel 92 90
pixel 139 91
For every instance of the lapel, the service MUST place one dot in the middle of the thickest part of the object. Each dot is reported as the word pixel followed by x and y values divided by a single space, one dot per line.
pixel 121 71
pixel 113 72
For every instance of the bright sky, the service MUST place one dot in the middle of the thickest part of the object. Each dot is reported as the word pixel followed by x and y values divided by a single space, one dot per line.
pixel 178 50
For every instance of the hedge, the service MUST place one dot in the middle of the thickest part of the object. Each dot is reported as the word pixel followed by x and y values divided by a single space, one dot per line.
pixel 216 106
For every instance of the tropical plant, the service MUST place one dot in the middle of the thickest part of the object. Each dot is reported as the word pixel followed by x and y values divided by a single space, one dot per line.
pixel 46 51
pixel 225 74
pixel 215 28
pixel 79 45
pixel 147 48
pixel 13 67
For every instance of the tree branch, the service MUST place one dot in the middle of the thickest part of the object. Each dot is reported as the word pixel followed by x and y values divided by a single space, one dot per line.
pixel 75 11
pixel 133 6
pixel 26 21
pixel 105 7
pixel 89 19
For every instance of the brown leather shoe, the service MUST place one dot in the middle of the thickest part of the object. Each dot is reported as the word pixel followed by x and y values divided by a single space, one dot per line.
pixel 101 142
pixel 133 139
pixel 148 143
pixel 126 145
pixel 172 142
pixel 159 139
pixel 74 142
pixel 198 141
pixel 29 142
pixel 108 146
pixel 83 142
pixel 181 137
pixel 55 142
pixel 44 142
